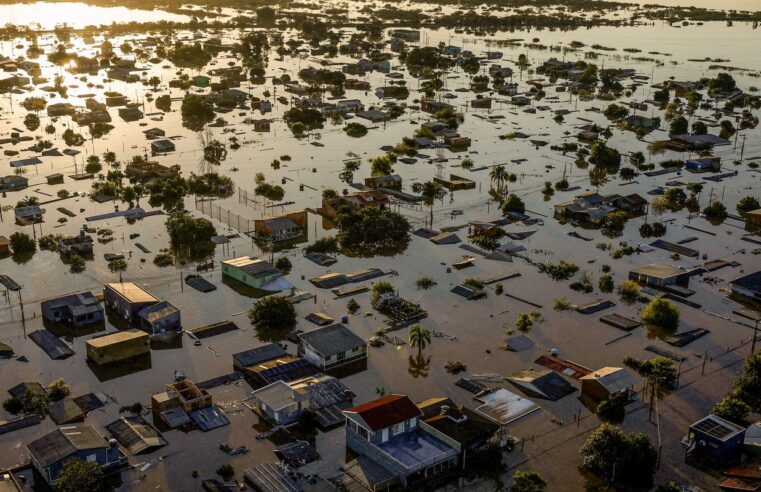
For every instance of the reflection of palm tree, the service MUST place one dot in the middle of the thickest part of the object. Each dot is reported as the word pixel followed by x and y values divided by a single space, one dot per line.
pixel 419 338
pixel 419 366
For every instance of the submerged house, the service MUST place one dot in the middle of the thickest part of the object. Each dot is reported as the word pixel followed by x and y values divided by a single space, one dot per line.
pixel 118 346
pixel 76 310
pixel 715 438
pixel 283 403
pixel 661 276
pixel 51 452
pixel 254 272
pixel 358 201
pixel 281 227
pixel 81 244
pixel 608 382
pixel 334 349
pixel 127 299
pixel 387 432
pixel 748 286
pixel 160 318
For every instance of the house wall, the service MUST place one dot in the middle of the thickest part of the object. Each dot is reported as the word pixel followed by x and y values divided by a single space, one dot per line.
pixel 594 389
pixel 169 323
pixel 122 350
pixel 241 276
pixel 744 292
pixel 128 310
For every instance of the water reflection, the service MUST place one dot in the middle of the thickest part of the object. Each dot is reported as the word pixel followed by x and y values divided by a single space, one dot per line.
pixel 419 366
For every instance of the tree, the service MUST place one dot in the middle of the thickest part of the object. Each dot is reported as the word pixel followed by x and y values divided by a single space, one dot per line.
pixel 273 313
pixel 733 409
pixel 524 322
pixel 748 204
pixel 419 338
pixel 93 165
pixel 117 265
pixel 528 481
pixel 284 265
pixel 164 103
pixel 662 313
pixel 613 409
pixel 381 166
pixel 352 306
pixel 660 371
pixel 31 122
pixel 154 82
pixel 748 385
pixel 372 231
pixel 190 237
pixel 80 476
pixel 355 130
pixel 623 459
pixel 602 155
pixel 22 244
pixel 715 211
pixel 679 126
pixel 431 191
pixel 699 128
pixel 215 152
pixel 513 204
pixel 196 113
pixel 668 487
pixel 72 138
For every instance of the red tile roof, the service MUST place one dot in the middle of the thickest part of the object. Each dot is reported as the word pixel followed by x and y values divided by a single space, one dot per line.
pixel 386 411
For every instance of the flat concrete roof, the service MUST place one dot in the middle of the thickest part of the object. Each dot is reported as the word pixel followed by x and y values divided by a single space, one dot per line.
pixel 132 292
pixel 658 271
pixel 118 337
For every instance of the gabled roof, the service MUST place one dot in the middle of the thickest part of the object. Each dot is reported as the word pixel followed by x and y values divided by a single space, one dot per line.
pixel 63 442
pixel 259 354
pixel 332 339
pixel 751 282
pixel 384 412
pixel 613 379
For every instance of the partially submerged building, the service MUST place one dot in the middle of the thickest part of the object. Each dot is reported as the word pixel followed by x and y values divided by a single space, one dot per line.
pixel 127 299
pixel 716 439
pixel 254 272
pixel 50 453
pixel 387 432
pixel 118 346
pixel 334 349
pixel 607 383
pixel 661 276
pixel 76 310
pixel 748 286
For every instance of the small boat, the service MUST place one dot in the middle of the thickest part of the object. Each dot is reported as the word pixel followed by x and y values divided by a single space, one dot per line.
pixel 468 261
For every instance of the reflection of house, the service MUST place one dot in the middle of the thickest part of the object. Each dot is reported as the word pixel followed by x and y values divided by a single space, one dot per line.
pixel 50 452
pixel 251 271
pixel 5 245
pixel 76 310
pixel 657 275
pixel 282 227
pixel 753 217
pixel 130 113
pixel 359 200
pixel 262 125
pixel 387 432
pixel 118 346
pixel 160 318
pixel 81 244
pixel 715 438
pixel 60 109
pixel 608 382
pixel 283 403
pixel 332 347
pixel 127 299
pixel 431 106
pixel 748 286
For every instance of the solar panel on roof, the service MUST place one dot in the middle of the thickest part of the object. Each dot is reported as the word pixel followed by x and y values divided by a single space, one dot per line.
pixel 713 428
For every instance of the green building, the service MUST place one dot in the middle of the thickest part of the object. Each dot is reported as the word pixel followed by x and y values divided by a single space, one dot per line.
pixel 253 272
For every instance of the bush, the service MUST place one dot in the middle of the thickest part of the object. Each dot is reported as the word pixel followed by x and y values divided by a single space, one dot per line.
pixel 628 290
pixel 612 409
pixel 380 288
pixel 747 204
pixel 163 259
pixel 528 481
pixel 425 283
pixel 715 211
pixel 323 245
pixel 513 204
pixel 605 283
pixel 560 271
pixel 661 313
pixel 562 304
pixel 58 390
pixel 226 471
pixel 356 130
pixel 455 367
pixel 352 306
pixel 14 405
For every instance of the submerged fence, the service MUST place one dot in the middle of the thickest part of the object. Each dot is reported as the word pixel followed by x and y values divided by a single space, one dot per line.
pixel 227 217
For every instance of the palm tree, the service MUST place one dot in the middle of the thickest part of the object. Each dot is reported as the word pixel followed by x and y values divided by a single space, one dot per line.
pixel 419 337
pixel 498 176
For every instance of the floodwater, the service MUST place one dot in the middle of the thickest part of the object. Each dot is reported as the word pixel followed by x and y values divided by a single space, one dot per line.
pixel 77 15
pixel 471 330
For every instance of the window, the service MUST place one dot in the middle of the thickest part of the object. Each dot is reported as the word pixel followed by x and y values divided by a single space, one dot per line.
pixel 397 428
pixel 341 355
